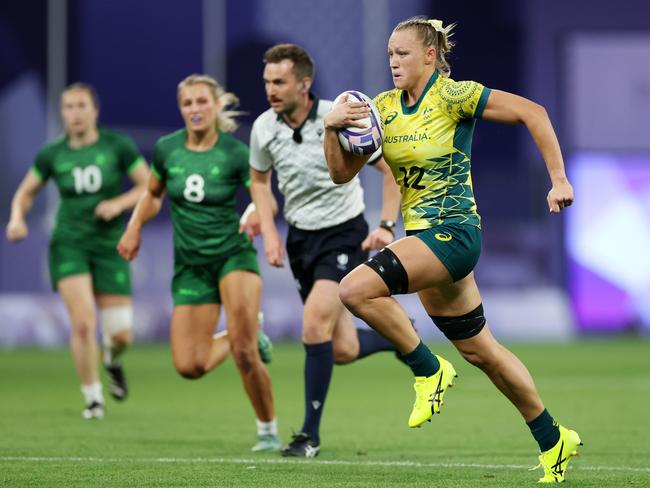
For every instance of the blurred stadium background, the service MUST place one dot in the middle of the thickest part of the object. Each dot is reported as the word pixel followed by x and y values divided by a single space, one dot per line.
pixel 550 283
pixel 542 276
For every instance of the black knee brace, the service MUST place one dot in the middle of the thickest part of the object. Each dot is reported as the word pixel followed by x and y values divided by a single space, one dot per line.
pixel 463 327
pixel 386 264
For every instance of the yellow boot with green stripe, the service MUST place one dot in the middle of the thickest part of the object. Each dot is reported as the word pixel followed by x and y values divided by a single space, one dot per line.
pixel 555 460
pixel 429 391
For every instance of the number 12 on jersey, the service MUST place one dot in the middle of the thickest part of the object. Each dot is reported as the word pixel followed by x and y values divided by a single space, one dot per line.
pixel 416 172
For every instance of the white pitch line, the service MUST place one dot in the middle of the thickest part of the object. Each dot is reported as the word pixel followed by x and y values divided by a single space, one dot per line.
pixel 220 460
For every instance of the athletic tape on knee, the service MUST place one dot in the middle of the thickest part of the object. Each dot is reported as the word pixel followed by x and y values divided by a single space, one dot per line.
pixel 387 265
pixel 463 327
pixel 115 320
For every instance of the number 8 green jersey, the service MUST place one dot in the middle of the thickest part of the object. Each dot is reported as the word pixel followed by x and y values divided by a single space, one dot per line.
pixel 428 148
pixel 202 188
pixel 85 177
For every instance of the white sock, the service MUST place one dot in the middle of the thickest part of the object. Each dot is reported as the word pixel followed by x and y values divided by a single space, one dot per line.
pixel 93 393
pixel 266 428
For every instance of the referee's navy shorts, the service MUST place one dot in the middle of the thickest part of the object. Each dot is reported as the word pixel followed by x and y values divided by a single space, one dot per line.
pixel 326 254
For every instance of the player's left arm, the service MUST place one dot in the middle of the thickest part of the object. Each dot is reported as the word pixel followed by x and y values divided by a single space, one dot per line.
pixel 391 200
pixel 512 109
pixel 109 209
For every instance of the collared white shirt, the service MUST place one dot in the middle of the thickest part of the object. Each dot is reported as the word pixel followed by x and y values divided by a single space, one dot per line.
pixel 312 200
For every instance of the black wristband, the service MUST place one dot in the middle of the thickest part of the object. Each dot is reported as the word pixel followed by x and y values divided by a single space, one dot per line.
pixel 389 225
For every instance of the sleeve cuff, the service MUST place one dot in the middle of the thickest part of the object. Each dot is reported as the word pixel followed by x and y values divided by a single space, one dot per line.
pixel 135 164
pixel 38 174
pixel 258 167
pixel 482 102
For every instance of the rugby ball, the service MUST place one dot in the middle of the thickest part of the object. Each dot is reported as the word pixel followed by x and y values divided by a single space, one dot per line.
pixel 359 140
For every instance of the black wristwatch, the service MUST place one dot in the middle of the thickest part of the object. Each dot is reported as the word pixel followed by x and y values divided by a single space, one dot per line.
pixel 389 225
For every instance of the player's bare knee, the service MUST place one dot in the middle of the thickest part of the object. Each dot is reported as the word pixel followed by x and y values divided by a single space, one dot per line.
pixel 245 357
pixel 190 370
pixel 189 367
pixel 240 315
pixel 344 353
pixel 84 329
pixel 351 294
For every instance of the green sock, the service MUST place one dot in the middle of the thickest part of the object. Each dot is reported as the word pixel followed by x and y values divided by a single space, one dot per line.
pixel 545 430
pixel 422 361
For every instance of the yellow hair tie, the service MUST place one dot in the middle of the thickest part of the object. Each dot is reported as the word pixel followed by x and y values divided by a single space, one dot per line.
pixel 437 25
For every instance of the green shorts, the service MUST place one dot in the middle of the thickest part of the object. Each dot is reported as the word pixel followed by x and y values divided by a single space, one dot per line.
pixel 196 285
pixel 458 246
pixel 110 272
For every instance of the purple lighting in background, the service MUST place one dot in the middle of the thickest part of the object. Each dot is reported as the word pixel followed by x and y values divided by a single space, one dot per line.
pixel 608 241
pixel 597 303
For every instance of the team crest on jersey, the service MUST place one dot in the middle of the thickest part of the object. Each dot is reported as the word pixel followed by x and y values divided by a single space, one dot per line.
pixel 391 116
pixel 342 261
pixel 175 170
pixel 64 167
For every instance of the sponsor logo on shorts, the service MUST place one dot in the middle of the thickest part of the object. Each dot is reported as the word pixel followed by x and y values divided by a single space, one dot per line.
pixel 120 277
pixel 188 292
pixel 443 236
pixel 342 261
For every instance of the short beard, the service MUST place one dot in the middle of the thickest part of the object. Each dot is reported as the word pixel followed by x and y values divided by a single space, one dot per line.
pixel 289 109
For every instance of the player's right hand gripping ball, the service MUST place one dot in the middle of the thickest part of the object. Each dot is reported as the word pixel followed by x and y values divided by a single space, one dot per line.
pixel 362 140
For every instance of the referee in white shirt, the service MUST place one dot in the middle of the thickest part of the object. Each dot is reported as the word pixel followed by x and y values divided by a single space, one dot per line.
pixel 328 235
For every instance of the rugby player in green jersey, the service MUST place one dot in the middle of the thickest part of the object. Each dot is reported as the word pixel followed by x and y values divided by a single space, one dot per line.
pixel 87 165
pixel 200 167
pixel 429 120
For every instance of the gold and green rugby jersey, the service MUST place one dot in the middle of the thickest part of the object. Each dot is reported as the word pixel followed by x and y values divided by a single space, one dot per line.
pixel 202 187
pixel 85 177
pixel 428 148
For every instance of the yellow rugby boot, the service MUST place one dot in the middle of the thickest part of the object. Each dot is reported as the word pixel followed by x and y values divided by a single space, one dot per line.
pixel 429 391
pixel 555 460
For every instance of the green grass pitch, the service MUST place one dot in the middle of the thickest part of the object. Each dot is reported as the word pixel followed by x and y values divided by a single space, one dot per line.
pixel 174 432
